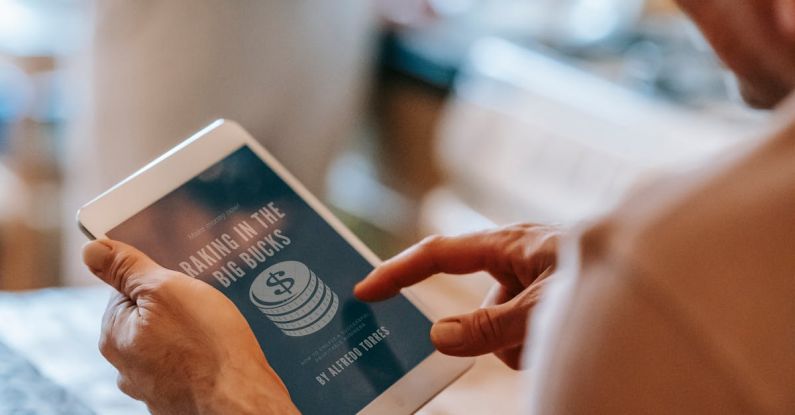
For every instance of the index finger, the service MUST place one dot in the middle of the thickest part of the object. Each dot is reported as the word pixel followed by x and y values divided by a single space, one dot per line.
pixel 455 255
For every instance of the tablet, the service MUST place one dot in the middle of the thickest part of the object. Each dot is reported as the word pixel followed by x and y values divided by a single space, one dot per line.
pixel 220 208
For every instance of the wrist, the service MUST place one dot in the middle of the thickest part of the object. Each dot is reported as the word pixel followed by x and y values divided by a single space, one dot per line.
pixel 248 388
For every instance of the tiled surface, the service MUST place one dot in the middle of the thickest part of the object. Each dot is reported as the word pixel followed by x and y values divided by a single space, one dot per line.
pixel 24 390
pixel 57 331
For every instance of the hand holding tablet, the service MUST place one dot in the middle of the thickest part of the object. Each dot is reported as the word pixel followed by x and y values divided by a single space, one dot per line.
pixel 158 341
pixel 220 209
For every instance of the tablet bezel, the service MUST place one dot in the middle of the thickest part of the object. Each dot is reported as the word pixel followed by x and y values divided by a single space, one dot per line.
pixel 211 145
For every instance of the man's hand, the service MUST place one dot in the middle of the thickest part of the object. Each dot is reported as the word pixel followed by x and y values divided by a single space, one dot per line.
pixel 179 344
pixel 519 257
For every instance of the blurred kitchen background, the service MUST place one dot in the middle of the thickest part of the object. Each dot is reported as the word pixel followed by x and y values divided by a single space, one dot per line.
pixel 408 117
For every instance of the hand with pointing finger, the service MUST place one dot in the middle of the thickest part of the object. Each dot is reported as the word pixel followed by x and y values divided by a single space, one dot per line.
pixel 519 257
pixel 179 344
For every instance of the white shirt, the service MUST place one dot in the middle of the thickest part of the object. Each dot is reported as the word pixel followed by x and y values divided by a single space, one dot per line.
pixel 682 301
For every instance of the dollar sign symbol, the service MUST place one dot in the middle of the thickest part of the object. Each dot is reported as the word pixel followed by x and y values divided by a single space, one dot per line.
pixel 286 283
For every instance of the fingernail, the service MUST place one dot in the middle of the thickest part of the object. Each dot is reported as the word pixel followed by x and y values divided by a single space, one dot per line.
pixel 447 334
pixel 95 255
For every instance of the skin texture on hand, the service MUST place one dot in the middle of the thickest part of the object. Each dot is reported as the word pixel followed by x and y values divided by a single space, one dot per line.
pixel 179 344
pixel 519 257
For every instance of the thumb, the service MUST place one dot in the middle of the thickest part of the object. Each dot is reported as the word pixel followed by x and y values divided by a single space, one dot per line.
pixel 120 265
pixel 485 330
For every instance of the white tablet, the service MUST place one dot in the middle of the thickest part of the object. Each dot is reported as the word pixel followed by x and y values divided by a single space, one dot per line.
pixel 220 208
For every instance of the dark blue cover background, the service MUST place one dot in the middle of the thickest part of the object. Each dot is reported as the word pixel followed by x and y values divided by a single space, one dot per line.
pixel 162 229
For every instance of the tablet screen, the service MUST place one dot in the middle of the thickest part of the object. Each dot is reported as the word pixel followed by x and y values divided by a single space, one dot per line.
pixel 239 227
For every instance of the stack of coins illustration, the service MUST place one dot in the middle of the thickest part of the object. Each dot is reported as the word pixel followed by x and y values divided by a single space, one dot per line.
pixel 294 298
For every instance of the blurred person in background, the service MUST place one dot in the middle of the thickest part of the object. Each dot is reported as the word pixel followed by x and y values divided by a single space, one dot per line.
pixel 292 73
pixel 680 301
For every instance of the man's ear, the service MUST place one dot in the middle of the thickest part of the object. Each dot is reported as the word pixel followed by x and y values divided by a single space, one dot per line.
pixel 785 16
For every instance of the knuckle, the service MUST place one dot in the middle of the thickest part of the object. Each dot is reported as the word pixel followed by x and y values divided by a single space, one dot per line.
pixel 549 252
pixel 121 382
pixel 530 249
pixel 517 230
pixel 122 265
pixel 163 285
pixel 545 252
pixel 512 238
pixel 171 281
pixel 145 330
pixel 431 242
pixel 486 326
pixel 126 386
pixel 106 347
pixel 549 238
